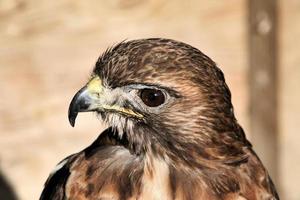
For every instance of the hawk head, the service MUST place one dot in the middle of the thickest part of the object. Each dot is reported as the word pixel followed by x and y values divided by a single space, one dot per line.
pixel 165 98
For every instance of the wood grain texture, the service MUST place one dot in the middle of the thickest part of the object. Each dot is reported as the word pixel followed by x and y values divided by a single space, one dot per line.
pixel 263 81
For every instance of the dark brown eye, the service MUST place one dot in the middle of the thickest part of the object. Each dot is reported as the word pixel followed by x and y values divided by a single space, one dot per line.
pixel 152 97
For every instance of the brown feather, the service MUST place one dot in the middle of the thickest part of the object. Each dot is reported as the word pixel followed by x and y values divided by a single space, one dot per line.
pixel 193 149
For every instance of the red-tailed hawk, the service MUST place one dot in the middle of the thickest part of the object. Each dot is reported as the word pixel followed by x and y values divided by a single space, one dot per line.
pixel 172 131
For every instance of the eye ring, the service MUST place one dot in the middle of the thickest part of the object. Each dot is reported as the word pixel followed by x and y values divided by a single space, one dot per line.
pixel 152 97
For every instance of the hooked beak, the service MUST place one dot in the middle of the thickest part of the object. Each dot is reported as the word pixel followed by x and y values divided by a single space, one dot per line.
pixel 85 99
pixel 92 98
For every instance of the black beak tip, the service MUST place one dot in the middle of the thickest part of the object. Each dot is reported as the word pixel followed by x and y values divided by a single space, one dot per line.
pixel 72 117
pixel 79 103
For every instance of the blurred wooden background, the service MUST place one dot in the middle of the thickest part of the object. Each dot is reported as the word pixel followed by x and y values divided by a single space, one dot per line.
pixel 48 48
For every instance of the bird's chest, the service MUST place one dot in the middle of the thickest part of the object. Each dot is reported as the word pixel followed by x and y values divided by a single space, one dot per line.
pixel 122 177
pixel 156 181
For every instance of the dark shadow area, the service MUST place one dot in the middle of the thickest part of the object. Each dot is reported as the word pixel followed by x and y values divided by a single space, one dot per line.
pixel 6 191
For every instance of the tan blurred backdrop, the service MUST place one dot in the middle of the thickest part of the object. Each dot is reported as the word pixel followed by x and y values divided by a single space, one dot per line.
pixel 48 49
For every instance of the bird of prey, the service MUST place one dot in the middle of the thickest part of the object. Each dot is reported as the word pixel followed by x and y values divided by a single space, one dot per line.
pixel 172 133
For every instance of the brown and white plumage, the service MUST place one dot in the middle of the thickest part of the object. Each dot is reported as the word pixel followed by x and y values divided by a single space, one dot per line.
pixel 172 131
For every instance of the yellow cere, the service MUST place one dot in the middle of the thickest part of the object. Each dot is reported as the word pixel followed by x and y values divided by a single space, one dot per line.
pixel 95 85
pixel 122 110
